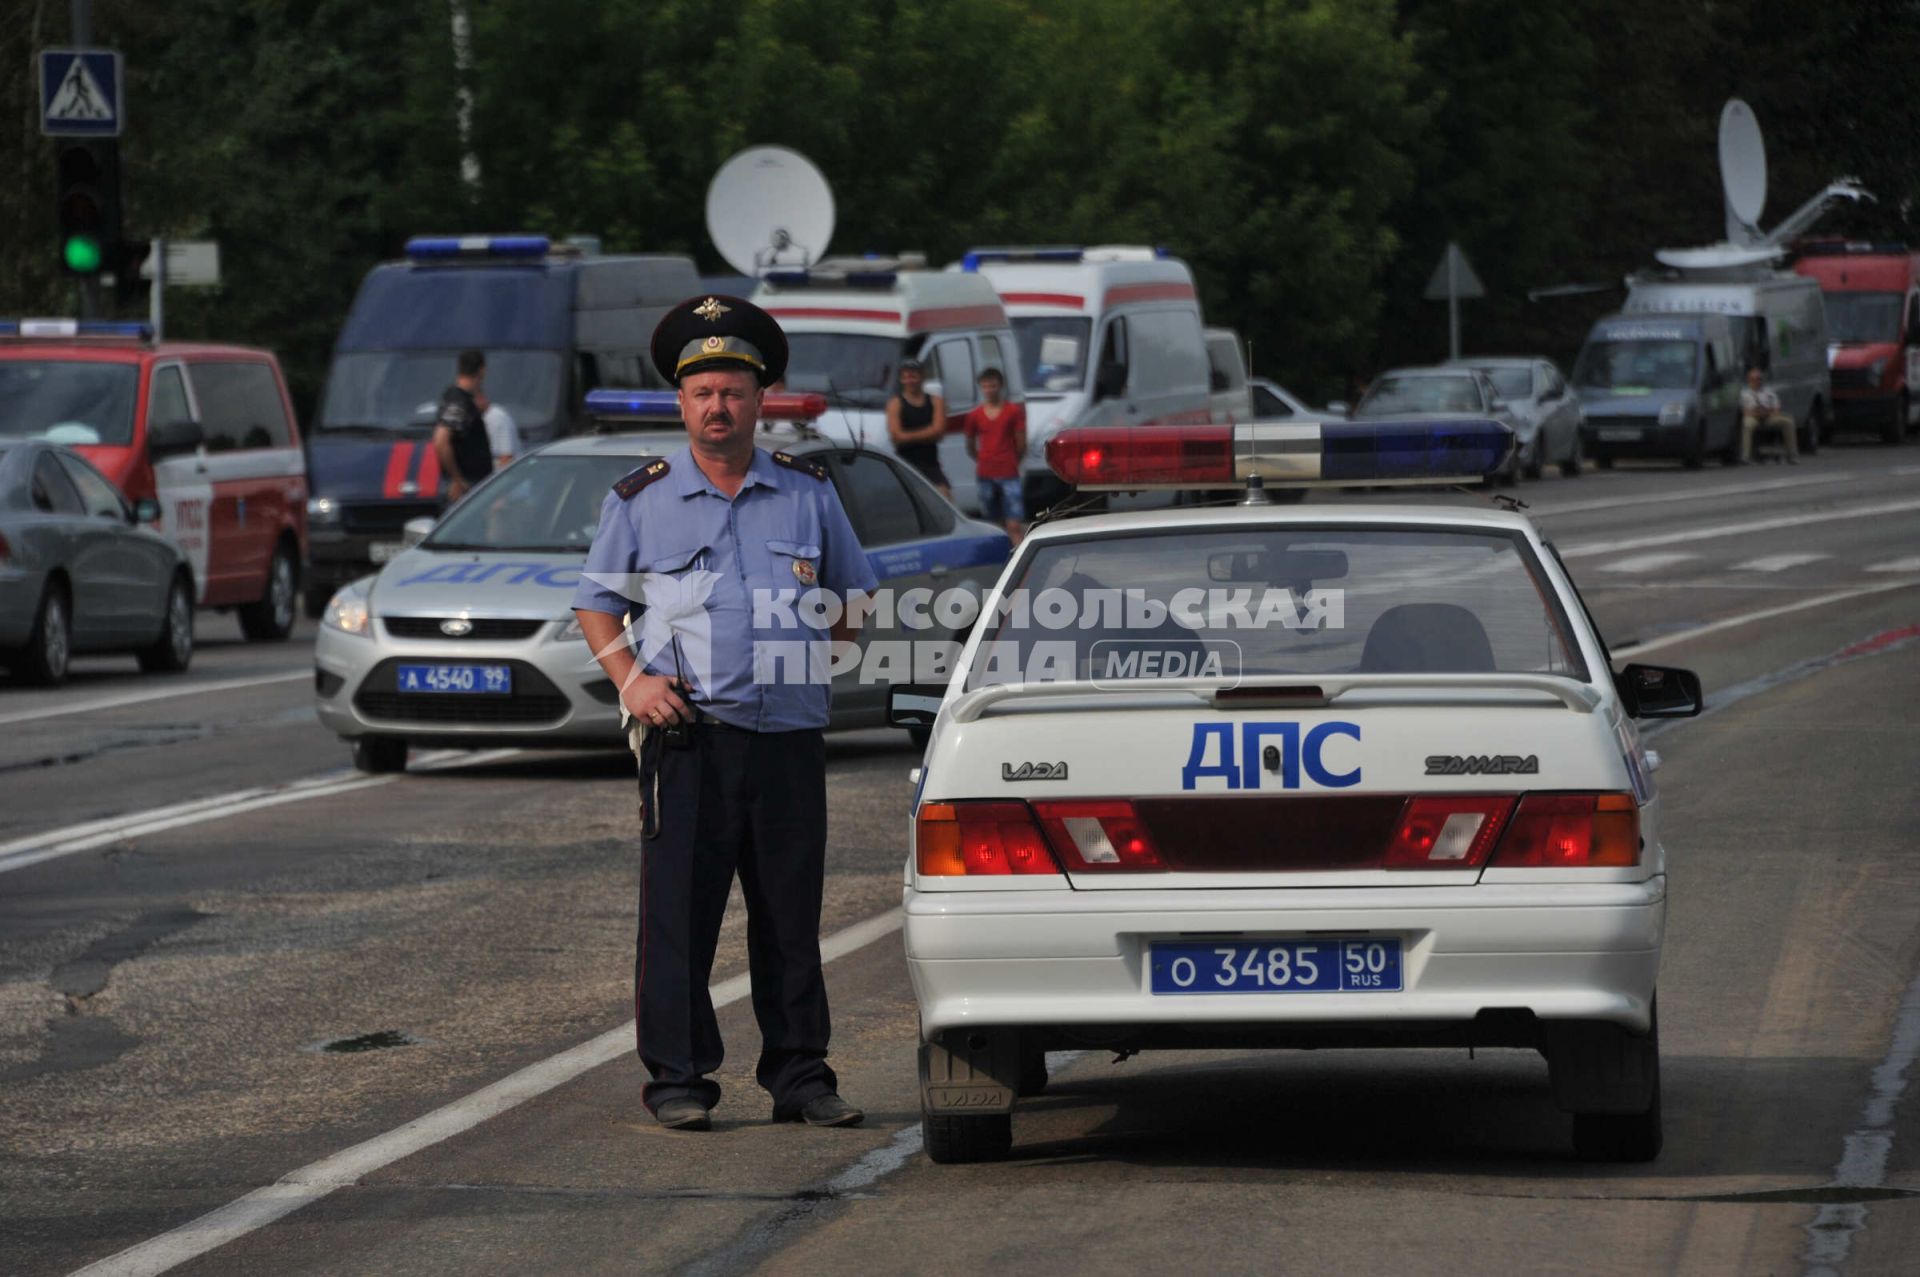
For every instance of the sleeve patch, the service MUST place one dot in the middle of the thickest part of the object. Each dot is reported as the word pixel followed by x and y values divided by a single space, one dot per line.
pixel 805 465
pixel 641 478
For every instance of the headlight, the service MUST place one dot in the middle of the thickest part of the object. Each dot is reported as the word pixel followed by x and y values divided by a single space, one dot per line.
pixel 349 611
pixel 1676 412
pixel 323 510
pixel 569 632
pixel 1876 370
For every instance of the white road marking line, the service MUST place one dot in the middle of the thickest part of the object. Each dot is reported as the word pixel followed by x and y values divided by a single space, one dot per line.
pixel 316 1180
pixel 158 694
pixel 1781 562
pixel 1592 548
pixel 1727 623
pixel 51 844
pixel 1864 1155
pixel 1706 493
pixel 1895 565
pixel 1648 562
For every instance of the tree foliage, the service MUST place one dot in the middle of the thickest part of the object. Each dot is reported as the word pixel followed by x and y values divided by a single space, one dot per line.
pixel 1310 158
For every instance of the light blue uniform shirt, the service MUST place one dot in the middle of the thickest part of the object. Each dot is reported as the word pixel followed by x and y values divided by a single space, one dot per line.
pixel 782 534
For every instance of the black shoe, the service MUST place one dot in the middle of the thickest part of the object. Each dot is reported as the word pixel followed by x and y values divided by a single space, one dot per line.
pixel 823 1110
pixel 682 1113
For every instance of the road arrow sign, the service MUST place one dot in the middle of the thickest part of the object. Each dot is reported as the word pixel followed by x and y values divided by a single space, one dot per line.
pixel 80 93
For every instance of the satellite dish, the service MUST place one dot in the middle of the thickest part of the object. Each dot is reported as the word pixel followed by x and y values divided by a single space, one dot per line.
pixel 769 207
pixel 1743 162
pixel 1717 257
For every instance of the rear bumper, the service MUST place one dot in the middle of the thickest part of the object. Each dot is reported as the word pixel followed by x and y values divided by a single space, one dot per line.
pixel 1055 959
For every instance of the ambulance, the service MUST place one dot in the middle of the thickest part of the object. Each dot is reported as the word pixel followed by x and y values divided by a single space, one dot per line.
pixel 850 321
pixel 1108 336
pixel 1872 294
pixel 1258 776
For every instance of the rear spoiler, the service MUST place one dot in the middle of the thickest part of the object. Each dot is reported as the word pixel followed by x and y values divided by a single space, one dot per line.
pixel 1317 693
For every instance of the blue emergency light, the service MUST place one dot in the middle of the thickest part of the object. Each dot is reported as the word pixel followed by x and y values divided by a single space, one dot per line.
pixel 974 256
pixel 427 248
pixel 130 328
pixel 804 278
pixel 1333 453
pixel 651 405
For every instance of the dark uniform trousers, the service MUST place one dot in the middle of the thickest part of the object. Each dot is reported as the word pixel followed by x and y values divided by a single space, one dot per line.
pixel 755 802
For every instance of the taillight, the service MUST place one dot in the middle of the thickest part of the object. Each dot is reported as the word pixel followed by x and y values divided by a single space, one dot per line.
pixel 1107 836
pixel 1572 831
pixel 6 551
pixel 1447 833
pixel 975 838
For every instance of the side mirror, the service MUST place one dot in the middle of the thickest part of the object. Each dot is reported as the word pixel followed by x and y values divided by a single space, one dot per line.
pixel 1659 691
pixel 1339 406
pixel 414 531
pixel 174 436
pixel 146 510
pixel 914 704
pixel 1500 405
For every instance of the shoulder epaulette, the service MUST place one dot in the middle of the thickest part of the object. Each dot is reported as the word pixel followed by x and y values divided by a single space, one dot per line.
pixel 805 465
pixel 641 478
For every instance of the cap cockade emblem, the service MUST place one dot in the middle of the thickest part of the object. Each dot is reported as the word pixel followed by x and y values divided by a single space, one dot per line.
pixel 711 310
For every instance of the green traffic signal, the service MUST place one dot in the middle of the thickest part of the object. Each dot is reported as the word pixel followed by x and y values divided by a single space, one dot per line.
pixel 82 254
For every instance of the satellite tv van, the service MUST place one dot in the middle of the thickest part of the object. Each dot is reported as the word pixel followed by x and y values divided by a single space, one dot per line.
pixel 850 321
pixel 554 323
pixel 1108 336
pixel 1872 295
pixel 1654 385
pixel 1779 323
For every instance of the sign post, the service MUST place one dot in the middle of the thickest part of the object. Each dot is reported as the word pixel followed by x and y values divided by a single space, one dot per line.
pixel 1453 279
pixel 186 262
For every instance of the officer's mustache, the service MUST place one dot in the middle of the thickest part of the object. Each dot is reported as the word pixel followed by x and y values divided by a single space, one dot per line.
pixel 719 418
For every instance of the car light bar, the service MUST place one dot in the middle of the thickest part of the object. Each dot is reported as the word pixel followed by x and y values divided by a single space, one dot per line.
pixel 135 329
pixel 972 259
pixel 814 277
pixel 1135 458
pixel 426 248
pixel 664 405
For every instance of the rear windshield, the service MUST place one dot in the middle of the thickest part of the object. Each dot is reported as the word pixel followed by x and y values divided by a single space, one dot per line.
pixel 67 401
pixel 539 503
pixel 1260 602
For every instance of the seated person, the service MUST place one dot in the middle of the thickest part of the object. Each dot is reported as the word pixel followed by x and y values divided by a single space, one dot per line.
pixel 1760 408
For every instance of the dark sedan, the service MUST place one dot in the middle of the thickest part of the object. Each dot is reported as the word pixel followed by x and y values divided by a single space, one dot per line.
pixel 79 571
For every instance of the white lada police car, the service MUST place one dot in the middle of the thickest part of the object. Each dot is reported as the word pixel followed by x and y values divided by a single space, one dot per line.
pixel 468 638
pixel 1287 776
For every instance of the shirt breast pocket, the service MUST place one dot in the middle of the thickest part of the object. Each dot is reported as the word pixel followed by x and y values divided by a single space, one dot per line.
pixel 795 560
pixel 675 562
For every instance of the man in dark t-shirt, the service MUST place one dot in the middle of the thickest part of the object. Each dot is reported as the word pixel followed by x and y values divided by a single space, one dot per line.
pixel 460 432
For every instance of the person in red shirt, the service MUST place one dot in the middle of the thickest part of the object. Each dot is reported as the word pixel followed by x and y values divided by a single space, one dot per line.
pixel 996 440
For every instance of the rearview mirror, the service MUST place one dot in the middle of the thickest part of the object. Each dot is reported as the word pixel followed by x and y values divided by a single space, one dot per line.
pixel 146 510
pixel 1659 691
pixel 1295 569
pixel 914 704
pixel 174 436
pixel 414 531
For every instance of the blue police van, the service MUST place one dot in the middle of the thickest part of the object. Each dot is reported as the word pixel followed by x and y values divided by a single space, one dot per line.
pixel 554 321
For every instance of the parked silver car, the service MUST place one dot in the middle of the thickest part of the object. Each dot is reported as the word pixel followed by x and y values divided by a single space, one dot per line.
pixel 1548 412
pixel 80 571
pixel 1440 392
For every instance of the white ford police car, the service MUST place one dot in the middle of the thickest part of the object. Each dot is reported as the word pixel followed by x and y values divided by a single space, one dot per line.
pixel 1287 776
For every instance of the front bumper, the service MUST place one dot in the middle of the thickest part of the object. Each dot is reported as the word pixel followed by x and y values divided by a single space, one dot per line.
pixel 560 697
pixel 1058 958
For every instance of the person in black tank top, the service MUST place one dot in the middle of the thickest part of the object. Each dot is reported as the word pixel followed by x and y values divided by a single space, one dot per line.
pixel 916 422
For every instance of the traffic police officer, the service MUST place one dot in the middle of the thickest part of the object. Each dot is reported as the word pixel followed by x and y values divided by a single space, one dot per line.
pixel 733 765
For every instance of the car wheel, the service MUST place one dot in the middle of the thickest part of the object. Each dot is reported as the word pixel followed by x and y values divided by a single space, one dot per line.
pixel 1033 1073
pixel 1603 459
pixel 316 602
pixel 1815 432
pixel 987 1137
pixel 380 753
pixel 920 736
pixel 1619 1137
pixel 1894 431
pixel 1537 460
pixel 172 652
pixel 1696 456
pixel 270 617
pixel 1610 1078
pixel 43 661
pixel 1570 468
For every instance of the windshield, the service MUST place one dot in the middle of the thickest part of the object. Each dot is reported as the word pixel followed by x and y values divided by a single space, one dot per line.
pixel 1258 602
pixel 1053 352
pixel 852 369
pixel 67 401
pixel 395 389
pixel 1396 396
pixel 1511 383
pixel 541 502
pixel 1859 319
pixel 1635 367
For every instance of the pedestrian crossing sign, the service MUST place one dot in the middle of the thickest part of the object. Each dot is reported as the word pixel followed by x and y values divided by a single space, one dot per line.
pixel 80 93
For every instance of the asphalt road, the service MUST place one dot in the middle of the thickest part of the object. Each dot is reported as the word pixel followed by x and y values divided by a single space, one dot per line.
pixel 197 898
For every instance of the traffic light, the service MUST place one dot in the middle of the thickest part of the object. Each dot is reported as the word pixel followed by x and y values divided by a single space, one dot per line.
pixel 89 208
